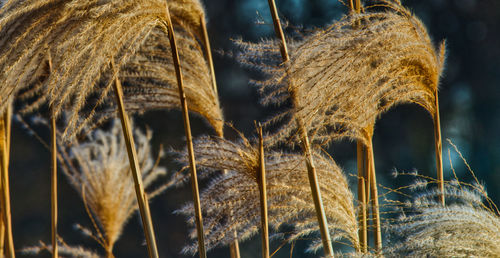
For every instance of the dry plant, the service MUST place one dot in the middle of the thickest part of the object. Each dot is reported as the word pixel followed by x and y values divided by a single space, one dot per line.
pixel 83 37
pixel 340 79
pixel 343 77
pixel 99 170
pixel 231 200
pixel 465 227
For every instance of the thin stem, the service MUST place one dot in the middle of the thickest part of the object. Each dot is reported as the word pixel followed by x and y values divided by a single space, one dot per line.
pixel 311 169
pixel 147 222
pixel 189 138
pixel 363 172
pixel 53 152
pixel 206 42
pixel 4 151
pixel 439 148
pixel 261 179
pixel 53 176
pixel 357 6
pixel 363 234
pixel 234 246
pixel 377 234
pixel 8 120
pixel 279 31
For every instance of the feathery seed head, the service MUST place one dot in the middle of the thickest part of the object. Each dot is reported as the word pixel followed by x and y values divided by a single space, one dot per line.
pixel 99 170
pixel 81 37
pixel 231 201
pixel 465 227
pixel 340 79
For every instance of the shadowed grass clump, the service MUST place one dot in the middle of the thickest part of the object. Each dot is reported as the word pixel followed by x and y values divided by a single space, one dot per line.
pixel 341 78
pixel 82 37
pixel 465 227
pixel 99 170
pixel 231 200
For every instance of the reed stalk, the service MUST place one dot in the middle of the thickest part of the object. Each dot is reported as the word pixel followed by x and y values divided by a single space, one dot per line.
pixel 362 159
pixel 147 222
pixel 2 228
pixel 311 169
pixel 208 50
pixel 439 148
pixel 362 164
pixel 8 120
pixel 377 234
pixel 53 175
pixel 53 160
pixel 4 162
pixel 189 138
pixel 233 247
pixel 261 179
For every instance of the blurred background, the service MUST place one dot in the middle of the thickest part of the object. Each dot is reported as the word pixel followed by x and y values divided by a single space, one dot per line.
pixel 469 102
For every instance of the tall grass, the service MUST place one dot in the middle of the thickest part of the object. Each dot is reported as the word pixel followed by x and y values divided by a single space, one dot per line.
pixel 333 83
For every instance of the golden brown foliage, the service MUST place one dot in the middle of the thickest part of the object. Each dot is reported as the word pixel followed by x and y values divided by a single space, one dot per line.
pixel 82 37
pixel 340 79
pixel 231 201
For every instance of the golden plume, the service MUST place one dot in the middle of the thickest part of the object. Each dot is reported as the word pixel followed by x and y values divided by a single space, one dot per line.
pixel 231 200
pixel 82 37
pixel 341 78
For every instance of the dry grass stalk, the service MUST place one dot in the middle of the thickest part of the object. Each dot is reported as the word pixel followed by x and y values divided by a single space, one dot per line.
pixel 234 247
pixel 189 139
pixel 142 199
pixel 53 175
pixel 304 137
pixel 340 79
pixel 83 37
pixel 7 121
pixel 261 181
pixel 439 147
pixel 377 234
pixel 362 212
pixel 465 227
pixel 4 152
pixel 363 171
pixel 99 169
pixel 232 199
pixel 206 42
